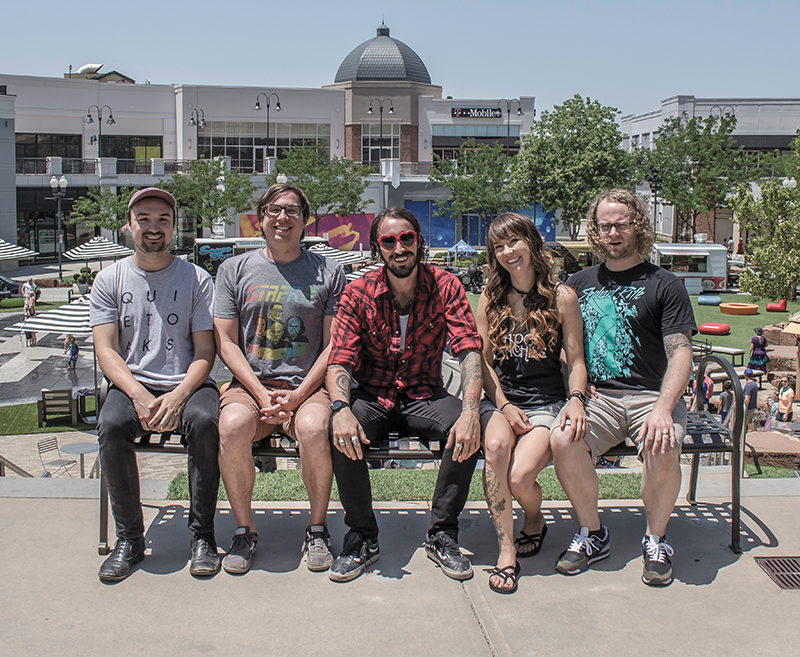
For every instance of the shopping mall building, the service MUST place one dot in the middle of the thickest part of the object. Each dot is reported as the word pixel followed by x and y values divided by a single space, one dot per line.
pixel 381 109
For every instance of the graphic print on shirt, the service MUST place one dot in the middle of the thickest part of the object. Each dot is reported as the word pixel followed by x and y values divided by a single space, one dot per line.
pixel 607 331
pixel 522 349
pixel 150 342
pixel 278 338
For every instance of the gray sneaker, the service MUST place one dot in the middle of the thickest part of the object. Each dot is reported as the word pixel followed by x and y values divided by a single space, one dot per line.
pixel 583 551
pixel 317 547
pixel 656 553
pixel 240 556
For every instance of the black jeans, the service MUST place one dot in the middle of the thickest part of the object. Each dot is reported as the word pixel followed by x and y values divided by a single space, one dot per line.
pixel 429 419
pixel 117 427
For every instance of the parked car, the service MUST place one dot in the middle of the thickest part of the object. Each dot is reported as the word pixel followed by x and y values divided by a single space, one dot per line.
pixel 7 285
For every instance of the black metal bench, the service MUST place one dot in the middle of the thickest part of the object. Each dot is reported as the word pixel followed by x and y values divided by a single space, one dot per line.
pixel 704 435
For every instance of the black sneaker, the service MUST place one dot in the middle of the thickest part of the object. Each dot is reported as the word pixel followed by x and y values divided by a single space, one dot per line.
pixel 317 548
pixel 356 555
pixel 205 561
pixel 240 556
pixel 443 549
pixel 657 566
pixel 583 551
pixel 117 565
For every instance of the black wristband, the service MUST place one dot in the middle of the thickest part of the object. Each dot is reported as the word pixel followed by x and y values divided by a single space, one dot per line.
pixel 579 395
pixel 504 405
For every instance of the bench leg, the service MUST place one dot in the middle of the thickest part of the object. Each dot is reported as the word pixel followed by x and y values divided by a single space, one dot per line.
pixel 102 546
pixel 691 493
pixel 736 512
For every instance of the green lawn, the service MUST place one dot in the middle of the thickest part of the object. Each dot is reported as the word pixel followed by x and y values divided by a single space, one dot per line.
pixel 15 304
pixel 408 486
pixel 22 419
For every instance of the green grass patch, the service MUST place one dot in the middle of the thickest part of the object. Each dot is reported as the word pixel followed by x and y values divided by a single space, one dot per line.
pixel 23 418
pixel 768 472
pixel 15 304
pixel 408 486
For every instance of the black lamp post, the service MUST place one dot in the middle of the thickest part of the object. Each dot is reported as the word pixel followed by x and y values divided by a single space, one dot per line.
pixel 258 108
pixel 59 187
pixel 380 109
pixel 654 180
pixel 110 121
pixel 509 103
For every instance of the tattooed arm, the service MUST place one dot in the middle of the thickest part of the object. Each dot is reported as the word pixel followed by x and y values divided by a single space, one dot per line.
pixel 679 370
pixel 344 425
pixel 467 429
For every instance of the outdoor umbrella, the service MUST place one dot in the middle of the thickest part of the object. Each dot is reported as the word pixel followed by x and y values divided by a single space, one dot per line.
pixel 71 318
pixel 342 257
pixel 10 251
pixel 98 248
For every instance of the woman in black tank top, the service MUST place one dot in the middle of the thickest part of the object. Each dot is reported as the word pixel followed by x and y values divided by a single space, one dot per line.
pixel 525 318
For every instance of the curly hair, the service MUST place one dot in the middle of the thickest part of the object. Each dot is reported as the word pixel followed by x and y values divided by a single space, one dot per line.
pixel 395 213
pixel 637 213
pixel 543 319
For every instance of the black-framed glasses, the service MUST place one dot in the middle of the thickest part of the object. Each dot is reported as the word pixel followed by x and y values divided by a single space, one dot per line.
pixel 389 241
pixel 291 210
pixel 621 226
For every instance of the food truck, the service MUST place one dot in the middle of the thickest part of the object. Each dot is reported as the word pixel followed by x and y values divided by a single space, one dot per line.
pixel 209 253
pixel 702 267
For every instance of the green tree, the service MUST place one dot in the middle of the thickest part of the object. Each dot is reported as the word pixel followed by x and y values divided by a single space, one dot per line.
pixel 331 186
pixel 572 154
pixel 211 191
pixel 700 165
pixel 773 245
pixel 478 180
pixel 102 207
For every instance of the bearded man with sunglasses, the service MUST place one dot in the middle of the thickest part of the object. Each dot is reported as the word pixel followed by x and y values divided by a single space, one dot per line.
pixel 391 329
pixel 277 383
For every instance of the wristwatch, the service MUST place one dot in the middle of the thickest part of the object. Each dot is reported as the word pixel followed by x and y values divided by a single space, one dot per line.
pixel 579 395
pixel 338 405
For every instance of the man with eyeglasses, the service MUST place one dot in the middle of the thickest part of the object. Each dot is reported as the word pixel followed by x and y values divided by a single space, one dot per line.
pixel 392 327
pixel 275 385
pixel 638 323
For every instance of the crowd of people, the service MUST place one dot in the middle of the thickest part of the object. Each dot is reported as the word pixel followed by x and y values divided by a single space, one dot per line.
pixel 549 371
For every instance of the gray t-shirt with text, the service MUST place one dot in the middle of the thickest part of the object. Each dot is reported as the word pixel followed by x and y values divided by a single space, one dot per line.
pixel 156 312
pixel 280 308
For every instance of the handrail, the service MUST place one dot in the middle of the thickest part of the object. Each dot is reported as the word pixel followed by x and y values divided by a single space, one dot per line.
pixel 5 462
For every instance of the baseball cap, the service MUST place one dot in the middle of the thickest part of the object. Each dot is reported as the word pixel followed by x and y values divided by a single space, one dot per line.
pixel 748 372
pixel 154 192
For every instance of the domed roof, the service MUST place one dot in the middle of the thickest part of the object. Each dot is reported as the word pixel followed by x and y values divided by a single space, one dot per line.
pixel 383 58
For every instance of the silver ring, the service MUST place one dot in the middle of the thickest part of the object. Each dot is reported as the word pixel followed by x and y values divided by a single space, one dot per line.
pixel 665 432
pixel 341 442
pixel 354 440
pixel 459 446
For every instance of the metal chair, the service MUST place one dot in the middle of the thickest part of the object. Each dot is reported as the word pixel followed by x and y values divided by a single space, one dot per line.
pixel 61 465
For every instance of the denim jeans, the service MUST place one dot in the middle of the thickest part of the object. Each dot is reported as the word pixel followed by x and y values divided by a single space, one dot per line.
pixel 118 426
pixel 428 419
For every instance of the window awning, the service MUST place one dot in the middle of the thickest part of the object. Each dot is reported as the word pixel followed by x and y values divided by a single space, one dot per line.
pixel 683 252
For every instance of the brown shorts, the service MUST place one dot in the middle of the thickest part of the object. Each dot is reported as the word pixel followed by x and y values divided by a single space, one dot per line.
pixel 236 393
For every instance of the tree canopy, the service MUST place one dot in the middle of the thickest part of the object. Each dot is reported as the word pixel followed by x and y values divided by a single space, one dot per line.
pixel 700 165
pixel 331 186
pixel 572 154
pixel 773 245
pixel 478 180
pixel 102 207
pixel 211 191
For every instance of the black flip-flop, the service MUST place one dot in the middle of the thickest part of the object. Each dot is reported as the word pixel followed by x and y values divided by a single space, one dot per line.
pixel 530 539
pixel 509 573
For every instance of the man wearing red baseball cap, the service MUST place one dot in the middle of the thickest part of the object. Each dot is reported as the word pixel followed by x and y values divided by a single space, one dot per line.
pixel 153 334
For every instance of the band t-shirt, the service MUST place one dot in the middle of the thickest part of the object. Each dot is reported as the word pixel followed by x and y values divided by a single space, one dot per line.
pixel 280 308
pixel 528 381
pixel 157 312
pixel 626 316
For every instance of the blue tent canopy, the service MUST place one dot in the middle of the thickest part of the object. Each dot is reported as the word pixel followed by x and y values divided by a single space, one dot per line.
pixel 462 247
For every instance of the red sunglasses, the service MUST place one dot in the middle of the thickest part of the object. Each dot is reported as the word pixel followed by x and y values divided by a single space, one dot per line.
pixel 389 241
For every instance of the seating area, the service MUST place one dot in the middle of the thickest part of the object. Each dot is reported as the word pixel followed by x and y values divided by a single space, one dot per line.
pixel 56 467
pixel 57 402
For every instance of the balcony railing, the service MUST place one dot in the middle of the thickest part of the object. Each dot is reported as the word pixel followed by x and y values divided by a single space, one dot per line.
pixel 134 167
pixel 32 165
pixel 77 166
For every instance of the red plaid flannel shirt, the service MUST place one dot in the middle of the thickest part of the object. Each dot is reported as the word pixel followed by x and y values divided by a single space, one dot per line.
pixel 366 334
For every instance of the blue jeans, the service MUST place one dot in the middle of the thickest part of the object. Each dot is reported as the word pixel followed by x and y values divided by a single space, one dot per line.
pixel 118 426
pixel 430 419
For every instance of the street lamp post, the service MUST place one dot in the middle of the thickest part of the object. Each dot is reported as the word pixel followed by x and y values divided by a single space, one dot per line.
pixel 110 121
pixel 654 180
pixel 509 103
pixel 198 117
pixel 59 187
pixel 789 183
pixel 258 108
pixel 380 102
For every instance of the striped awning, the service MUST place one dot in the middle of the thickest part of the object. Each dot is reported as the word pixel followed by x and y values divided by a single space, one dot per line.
pixel 71 318
pixel 98 248
pixel 10 251
pixel 342 257
pixel 364 270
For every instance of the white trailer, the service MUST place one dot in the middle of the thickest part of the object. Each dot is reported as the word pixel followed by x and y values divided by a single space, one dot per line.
pixel 702 267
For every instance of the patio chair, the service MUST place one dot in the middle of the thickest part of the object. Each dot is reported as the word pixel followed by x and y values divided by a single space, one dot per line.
pixel 47 448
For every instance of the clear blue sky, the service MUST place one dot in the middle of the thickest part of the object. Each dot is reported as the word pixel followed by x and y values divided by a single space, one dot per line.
pixel 625 53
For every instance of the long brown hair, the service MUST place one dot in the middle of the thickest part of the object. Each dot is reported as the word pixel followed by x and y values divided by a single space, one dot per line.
pixel 543 319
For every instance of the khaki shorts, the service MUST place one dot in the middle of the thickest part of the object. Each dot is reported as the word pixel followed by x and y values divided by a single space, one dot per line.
pixel 617 415
pixel 539 416
pixel 236 393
